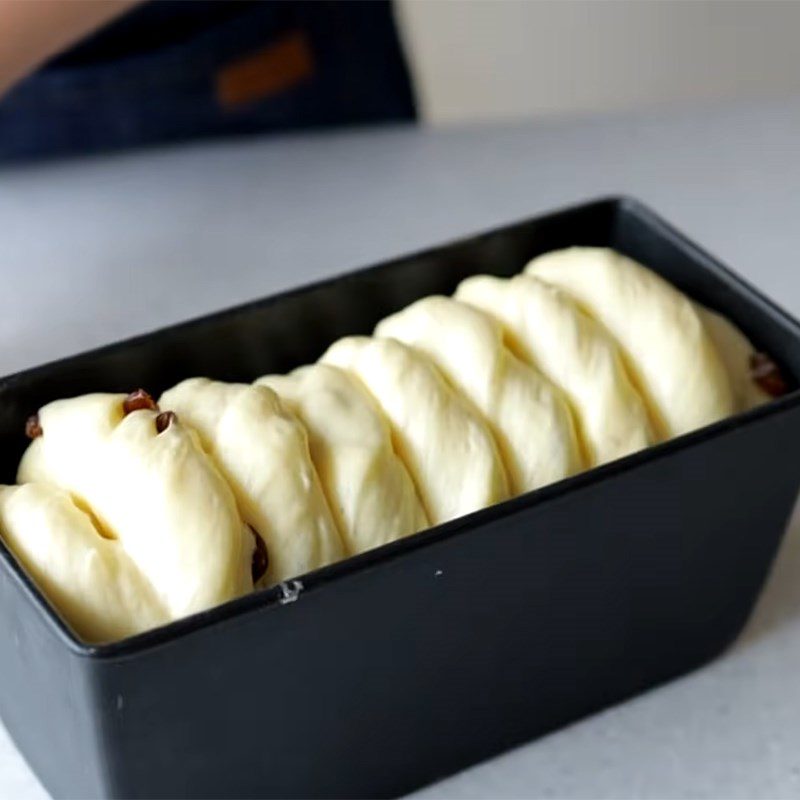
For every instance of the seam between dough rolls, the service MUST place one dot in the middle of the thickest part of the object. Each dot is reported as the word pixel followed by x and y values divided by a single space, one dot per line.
pixel 90 579
pixel 157 492
pixel 547 329
pixel 448 450
pixel 369 489
pixel 678 368
pixel 262 451
pixel 527 415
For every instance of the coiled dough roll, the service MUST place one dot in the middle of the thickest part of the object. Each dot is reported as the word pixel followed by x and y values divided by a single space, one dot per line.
pixel 527 414
pixel 157 493
pixel 441 438
pixel 676 364
pixel 547 329
pixel 369 490
pixel 262 450
pixel 91 580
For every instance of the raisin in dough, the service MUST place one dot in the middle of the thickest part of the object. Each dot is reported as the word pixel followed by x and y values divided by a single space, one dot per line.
pixel 159 494
pixel 262 450
pixel 369 490
pixel 529 417
pixel 547 329
pixel 674 360
pixel 737 353
pixel 441 438
pixel 91 580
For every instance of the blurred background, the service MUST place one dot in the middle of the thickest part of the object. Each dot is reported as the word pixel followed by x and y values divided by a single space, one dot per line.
pixel 483 61
pixel 93 75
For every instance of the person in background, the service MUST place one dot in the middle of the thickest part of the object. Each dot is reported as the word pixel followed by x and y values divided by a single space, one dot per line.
pixel 92 75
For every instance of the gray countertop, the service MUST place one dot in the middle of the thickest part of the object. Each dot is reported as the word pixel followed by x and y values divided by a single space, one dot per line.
pixel 103 248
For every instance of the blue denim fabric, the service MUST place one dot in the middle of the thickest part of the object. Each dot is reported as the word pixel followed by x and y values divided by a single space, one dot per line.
pixel 87 101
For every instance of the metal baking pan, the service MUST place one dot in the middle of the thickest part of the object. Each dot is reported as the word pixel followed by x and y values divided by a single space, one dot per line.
pixel 389 670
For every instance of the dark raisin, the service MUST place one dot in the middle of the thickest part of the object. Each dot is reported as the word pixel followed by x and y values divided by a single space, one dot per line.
pixel 138 400
pixel 764 371
pixel 33 428
pixel 260 563
pixel 164 420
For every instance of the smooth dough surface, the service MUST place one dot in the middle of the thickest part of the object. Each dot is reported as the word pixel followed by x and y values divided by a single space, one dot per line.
pixel 91 580
pixel 547 329
pixel 736 351
pixel 447 448
pixel 368 488
pixel 159 494
pixel 527 414
pixel 675 363
pixel 262 450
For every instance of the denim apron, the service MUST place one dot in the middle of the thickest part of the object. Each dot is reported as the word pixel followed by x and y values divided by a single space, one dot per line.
pixel 178 70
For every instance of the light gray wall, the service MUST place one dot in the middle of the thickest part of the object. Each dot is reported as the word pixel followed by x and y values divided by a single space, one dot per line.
pixel 496 59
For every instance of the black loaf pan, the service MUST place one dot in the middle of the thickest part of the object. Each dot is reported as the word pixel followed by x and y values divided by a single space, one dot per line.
pixel 413 661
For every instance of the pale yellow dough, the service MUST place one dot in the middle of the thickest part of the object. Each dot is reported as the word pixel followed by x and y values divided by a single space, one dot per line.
pixel 157 493
pixel 262 450
pixel 673 357
pixel 528 415
pixel 546 328
pixel 736 351
pixel 368 488
pixel 441 438
pixel 91 580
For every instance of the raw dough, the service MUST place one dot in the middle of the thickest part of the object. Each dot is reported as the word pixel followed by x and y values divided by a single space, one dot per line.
pixel 442 440
pixel 529 417
pixel 369 490
pixel 157 493
pixel 91 580
pixel 262 450
pixel 675 363
pixel 545 328
pixel 736 351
